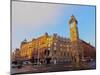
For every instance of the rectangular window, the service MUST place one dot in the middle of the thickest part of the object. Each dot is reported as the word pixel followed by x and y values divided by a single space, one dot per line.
pixel 48 48
pixel 55 44
pixel 60 44
pixel 49 45
pixel 54 48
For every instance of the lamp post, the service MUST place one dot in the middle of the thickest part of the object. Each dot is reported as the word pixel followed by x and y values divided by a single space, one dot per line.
pixel 38 53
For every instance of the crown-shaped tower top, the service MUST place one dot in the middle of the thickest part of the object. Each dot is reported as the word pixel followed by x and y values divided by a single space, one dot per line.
pixel 72 19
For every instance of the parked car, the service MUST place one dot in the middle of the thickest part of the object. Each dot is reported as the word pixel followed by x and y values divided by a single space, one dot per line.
pixel 16 66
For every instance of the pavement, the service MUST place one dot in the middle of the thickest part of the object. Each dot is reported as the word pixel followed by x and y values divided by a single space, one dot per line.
pixel 52 68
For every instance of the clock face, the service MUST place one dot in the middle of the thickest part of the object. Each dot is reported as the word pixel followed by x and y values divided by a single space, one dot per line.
pixel 72 24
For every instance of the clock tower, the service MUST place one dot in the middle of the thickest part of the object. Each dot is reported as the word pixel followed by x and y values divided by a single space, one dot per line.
pixel 74 36
pixel 74 40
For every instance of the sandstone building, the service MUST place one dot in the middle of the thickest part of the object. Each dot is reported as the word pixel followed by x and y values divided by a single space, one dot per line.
pixel 56 48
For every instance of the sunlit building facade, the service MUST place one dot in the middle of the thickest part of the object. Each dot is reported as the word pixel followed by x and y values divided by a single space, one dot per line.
pixel 57 48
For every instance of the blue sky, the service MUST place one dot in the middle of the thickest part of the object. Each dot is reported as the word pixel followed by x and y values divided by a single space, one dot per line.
pixel 31 20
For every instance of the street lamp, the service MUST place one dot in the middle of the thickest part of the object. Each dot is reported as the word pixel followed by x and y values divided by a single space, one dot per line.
pixel 38 53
